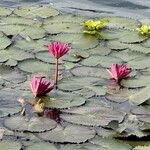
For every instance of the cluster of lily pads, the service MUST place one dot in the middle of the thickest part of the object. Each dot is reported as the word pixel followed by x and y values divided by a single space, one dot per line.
pixel 86 110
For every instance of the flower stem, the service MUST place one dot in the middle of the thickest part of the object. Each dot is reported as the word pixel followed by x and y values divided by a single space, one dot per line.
pixel 56 73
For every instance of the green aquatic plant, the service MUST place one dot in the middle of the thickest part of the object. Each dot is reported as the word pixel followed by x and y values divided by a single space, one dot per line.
pixel 92 27
pixel 144 30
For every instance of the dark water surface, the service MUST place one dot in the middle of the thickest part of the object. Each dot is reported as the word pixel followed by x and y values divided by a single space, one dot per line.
pixel 129 8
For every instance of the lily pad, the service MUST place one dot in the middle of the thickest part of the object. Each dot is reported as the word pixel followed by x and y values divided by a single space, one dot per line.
pixel 141 96
pixel 5 42
pixel 142 110
pixel 84 71
pixel 41 145
pixel 146 43
pixel 110 144
pixel 142 148
pixel 140 63
pixel 99 117
pixel 7 144
pixel 13 76
pixel 35 124
pixel 70 133
pixel 35 66
pixel 5 11
pixel 104 61
pixel 62 100
pixel 36 11
pixel 77 41
pixel 5 111
pixel 132 37
pixel 55 28
pixel 14 54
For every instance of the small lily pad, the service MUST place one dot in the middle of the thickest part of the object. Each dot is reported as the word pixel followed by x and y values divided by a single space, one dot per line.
pixel 71 133
pixel 35 124
pixel 36 11
pixel 7 145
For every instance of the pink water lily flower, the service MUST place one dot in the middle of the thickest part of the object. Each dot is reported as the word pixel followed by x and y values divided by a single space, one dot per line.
pixel 40 86
pixel 118 72
pixel 57 50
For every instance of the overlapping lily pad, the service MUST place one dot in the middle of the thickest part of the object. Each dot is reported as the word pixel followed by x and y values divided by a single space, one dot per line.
pixel 63 100
pixel 8 144
pixel 70 133
pixel 36 11
pixel 5 42
pixel 41 145
pixel 98 117
pixel 35 124
pixel 5 11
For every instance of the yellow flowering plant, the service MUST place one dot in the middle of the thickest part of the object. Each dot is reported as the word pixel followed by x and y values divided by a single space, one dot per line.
pixel 144 30
pixel 92 27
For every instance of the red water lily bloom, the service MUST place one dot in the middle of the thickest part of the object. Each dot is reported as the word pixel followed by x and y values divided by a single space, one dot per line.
pixel 118 72
pixel 40 86
pixel 58 49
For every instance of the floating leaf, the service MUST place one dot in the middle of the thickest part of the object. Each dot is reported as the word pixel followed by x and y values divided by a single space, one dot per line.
pixel 141 96
pixel 55 28
pixel 140 81
pixel 41 145
pixel 71 133
pixel 35 66
pixel 36 11
pixel 14 54
pixel 100 117
pixel 146 43
pixel 62 100
pixel 104 61
pixel 142 148
pixel 142 110
pixel 35 124
pixel 110 144
pixel 78 41
pixel 5 11
pixel 13 76
pixel 7 145
pixel 132 37
pixel 5 42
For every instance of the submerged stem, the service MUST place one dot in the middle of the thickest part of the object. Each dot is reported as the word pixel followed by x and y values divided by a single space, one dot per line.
pixel 56 73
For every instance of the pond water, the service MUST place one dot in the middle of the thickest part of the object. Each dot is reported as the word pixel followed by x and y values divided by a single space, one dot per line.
pixel 129 8
pixel 88 111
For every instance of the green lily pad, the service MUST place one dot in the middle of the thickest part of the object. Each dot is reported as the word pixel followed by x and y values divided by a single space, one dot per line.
pixel 13 76
pixel 77 83
pixel 20 21
pixel 41 145
pixel 24 30
pixel 140 81
pixel 78 41
pixel 127 55
pixel 140 97
pixel 5 42
pixel 123 23
pixel 71 58
pixel 11 63
pixel 35 66
pixel 139 48
pixel 69 18
pixel 5 111
pixel 132 37
pixel 140 63
pixel 35 124
pixel 70 133
pixel 110 144
pixel 62 100
pixel 36 11
pixel 31 45
pixel 104 61
pixel 5 11
pixel 55 28
pixel 84 71
pixel 101 116
pixel 14 54
pixel 146 43
pixel 142 148
pixel 120 95
pixel 116 45
pixel 8 144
